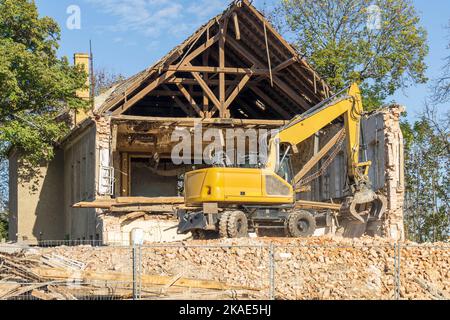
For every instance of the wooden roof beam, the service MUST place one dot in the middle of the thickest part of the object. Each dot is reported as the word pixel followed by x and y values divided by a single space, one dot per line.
pixel 277 81
pixel 191 100
pixel 207 89
pixel 163 78
pixel 270 102
pixel 237 30
pixel 304 75
pixel 173 57
pixel 237 90
pixel 225 70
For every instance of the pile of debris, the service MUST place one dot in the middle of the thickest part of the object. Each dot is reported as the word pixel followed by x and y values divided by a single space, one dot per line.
pixel 42 274
pixel 260 268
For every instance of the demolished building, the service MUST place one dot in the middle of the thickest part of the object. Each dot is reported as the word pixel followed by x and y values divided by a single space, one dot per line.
pixel 236 71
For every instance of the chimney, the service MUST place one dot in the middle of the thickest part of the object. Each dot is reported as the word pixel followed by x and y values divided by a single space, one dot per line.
pixel 83 60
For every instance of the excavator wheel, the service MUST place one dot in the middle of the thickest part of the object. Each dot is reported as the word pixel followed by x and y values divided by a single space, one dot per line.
pixel 223 224
pixel 237 225
pixel 301 224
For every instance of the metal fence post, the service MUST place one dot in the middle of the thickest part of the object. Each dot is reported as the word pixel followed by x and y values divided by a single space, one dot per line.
pixel 137 271
pixel 272 271
pixel 398 257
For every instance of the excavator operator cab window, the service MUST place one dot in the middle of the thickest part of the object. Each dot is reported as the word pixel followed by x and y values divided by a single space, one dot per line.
pixel 285 169
pixel 249 161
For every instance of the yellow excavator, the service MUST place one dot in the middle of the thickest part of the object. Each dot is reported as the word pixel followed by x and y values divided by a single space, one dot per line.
pixel 231 201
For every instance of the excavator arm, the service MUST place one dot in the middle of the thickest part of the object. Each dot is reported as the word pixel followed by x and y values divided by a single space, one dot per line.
pixel 306 125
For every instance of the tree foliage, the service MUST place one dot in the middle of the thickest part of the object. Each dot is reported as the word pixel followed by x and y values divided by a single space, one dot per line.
pixel 105 79
pixel 335 37
pixel 427 160
pixel 37 86
pixel 442 84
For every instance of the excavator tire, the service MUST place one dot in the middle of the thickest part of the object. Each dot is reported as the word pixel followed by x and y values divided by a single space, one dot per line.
pixel 223 224
pixel 301 224
pixel 237 225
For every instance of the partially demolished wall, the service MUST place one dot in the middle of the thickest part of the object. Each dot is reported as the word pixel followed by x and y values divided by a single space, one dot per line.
pixel 383 145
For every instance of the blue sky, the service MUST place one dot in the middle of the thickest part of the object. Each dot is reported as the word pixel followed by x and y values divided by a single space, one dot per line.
pixel 130 35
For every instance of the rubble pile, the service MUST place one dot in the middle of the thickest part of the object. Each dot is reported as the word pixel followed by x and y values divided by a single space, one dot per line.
pixel 262 268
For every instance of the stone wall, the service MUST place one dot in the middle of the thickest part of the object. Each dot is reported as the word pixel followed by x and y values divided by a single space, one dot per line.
pixel 327 268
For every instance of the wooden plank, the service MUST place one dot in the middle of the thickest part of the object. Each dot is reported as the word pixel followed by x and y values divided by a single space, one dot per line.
pixel 6 288
pixel 316 158
pixel 187 81
pixel 93 205
pixel 291 93
pixel 284 64
pixel 144 208
pixel 237 29
pixel 41 295
pixel 132 216
pixel 60 274
pixel 222 97
pixel 302 204
pixel 206 78
pixel 145 200
pixel 191 121
pixel 220 70
pixel 125 174
pixel 114 138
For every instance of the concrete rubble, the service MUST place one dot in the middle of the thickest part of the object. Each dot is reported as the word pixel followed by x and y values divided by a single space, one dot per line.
pixel 315 268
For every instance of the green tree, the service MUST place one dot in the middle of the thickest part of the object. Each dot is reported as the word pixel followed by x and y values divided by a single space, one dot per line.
pixel 342 41
pixel 36 85
pixel 427 179
pixel 441 88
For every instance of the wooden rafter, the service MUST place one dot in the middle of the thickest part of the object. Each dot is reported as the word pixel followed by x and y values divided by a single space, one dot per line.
pixel 222 40
pixel 176 54
pixel 237 30
pixel 205 61
pixel 270 102
pixel 277 81
pixel 305 78
pixel 237 90
pixel 212 73
pixel 206 89
pixel 224 70
pixel 191 100
pixel 156 83
pixel 164 77
pixel 178 102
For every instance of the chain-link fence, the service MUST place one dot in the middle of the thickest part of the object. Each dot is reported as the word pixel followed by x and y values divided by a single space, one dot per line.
pixel 91 271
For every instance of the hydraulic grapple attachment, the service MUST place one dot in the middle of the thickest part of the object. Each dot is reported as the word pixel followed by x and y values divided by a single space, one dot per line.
pixel 364 204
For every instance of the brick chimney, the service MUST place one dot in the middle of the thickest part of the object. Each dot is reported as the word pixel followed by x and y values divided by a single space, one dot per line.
pixel 83 60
